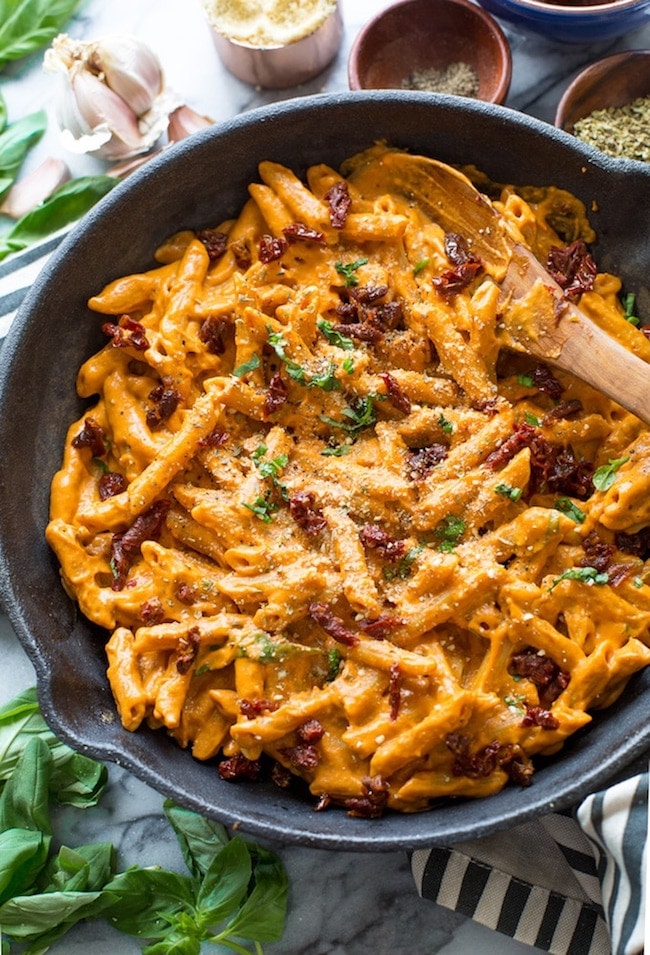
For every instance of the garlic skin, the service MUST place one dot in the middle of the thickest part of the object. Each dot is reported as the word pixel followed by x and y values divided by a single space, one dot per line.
pixel 112 103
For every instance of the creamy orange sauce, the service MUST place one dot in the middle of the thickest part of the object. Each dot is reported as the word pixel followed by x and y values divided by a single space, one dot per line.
pixel 349 554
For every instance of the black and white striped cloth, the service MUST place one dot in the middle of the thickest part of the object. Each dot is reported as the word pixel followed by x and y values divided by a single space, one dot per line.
pixel 584 895
pixel 588 892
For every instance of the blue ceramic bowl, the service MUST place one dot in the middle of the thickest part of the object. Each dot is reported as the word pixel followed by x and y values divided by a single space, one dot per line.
pixel 572 24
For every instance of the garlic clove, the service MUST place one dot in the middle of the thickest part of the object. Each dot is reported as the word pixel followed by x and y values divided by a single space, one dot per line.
pixel 30 190
pixel 128 67
pixel 103 112
pixel 184 121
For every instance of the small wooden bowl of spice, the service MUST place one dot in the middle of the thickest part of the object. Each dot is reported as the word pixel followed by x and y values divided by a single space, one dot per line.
pixel 608 105
pixel 438 46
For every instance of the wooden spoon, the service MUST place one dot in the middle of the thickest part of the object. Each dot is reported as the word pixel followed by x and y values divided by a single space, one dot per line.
pixel 547 325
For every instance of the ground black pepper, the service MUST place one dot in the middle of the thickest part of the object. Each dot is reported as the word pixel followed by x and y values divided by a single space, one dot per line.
pixel 459 79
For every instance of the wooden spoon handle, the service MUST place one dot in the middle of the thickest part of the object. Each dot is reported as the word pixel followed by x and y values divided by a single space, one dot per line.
pixel 594 356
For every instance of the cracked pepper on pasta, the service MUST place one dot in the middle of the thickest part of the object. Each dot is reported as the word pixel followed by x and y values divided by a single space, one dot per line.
pixel 337 530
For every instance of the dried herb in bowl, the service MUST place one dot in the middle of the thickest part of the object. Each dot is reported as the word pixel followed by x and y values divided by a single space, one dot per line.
pixel 621 131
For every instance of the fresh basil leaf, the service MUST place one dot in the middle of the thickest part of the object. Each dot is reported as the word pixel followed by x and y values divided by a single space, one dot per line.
pixel 26 916
pixel 199 838
pixel 24 803
pixel 85 867
pixel 225 883
pixel 174 945
pixel 23 853
pixel 605 475
pixel 589 575
pixel 247 366
pixel 28 25
pixel 66 204
pixel 143 902
pixel 334 337
pixel 15 142
pixel 261 918
pixel 81 780
pixel 568 507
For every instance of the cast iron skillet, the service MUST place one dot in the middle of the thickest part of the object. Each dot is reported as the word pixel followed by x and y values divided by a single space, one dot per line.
pixel 198 183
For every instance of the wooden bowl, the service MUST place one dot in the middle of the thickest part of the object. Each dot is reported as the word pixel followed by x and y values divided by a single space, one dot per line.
pixel 431 34
pixel 610 82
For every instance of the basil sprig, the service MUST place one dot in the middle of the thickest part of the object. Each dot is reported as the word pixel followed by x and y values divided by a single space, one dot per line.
pixel 235 892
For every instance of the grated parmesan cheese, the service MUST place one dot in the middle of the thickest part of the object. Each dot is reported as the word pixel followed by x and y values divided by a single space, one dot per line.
pixel 267 23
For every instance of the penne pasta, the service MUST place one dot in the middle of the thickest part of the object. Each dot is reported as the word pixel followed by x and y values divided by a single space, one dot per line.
pixel 331 524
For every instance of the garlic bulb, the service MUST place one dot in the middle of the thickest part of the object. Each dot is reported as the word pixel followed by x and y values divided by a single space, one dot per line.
pixel 113 102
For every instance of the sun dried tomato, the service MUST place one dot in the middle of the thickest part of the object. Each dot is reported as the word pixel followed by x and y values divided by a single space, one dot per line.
pixel 394 690
pixel 187 649
pixel 557 470
pixel 215 439
pixel 310 732
pixel 186 594
pixel 562 411
pixel 110 484
pixel 466 266
pixel 516 764
pixel 270 249
pixel 372 804
pixel 304 512
pixel 340 202
pixel 395 394
pixel 125 545
pixel 598 553
pixel 91 436
pixel 298 231
pixel 126 334
pixel 212 332
pixel 332 624
pixel 242 253
pixel 215 242
pixel 374 537
pixel 166 399
pixel 421 461
pixel 473 765
pixel 276 395
pixel 380 627
pixel 549 678
pixel 362 333
pixel 302 756
pixel 637 544
pixel 521 438
pixel 546 382
pixel 573 268
pixel 239 767
pixel 539 716
pixel 367 294
pixel 253 708
pixel 152 612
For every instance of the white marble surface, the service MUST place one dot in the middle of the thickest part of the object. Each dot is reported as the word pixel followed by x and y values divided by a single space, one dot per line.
pixel 340 903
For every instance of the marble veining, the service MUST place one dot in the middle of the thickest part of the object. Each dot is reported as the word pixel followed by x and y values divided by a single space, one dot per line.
pixel 340 903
